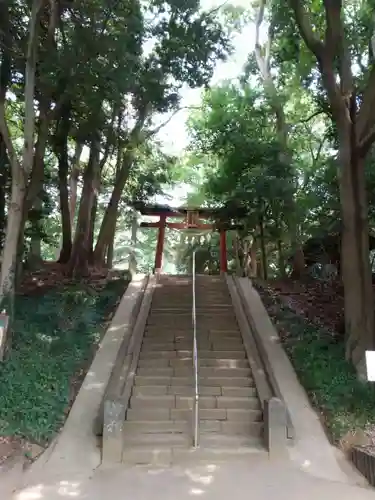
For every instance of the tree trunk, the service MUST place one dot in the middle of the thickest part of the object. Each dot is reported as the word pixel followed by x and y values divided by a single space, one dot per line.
pixel 94 211
pixel 73 183
pixel 34 257
pixel 355 137
pixel 260 271
pixel 110 215
pixel 277 104
pixel 10 252
pixel 355 254
pixel 263 249
pixel 281 258
pixel 236 251
pixel 299 266
pixel 78 264
pixel 253 258
pixel 66 244
pixel 20 170
pixel 35 254
pixel 4 180
pixel 61 150
pixel 111 249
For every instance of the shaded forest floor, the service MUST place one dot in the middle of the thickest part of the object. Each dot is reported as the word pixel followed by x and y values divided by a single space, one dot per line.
pixel 58 324
pixel 317 301
pixel 309 317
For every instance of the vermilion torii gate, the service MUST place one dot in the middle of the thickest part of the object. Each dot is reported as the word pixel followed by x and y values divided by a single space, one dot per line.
pixel 192 220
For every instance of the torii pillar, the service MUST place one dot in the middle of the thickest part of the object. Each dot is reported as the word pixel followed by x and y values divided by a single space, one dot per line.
pixel 160 244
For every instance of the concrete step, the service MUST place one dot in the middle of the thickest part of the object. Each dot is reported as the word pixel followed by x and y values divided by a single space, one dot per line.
pixel 213 304
pixel 213 440
pixel 187 402
pixel 207 322
pixel 227 428
pixel 238 415
pixel 186 307
pixel 151 401
pixel 185 301
pixel 135 438
pixel 170 336
pixel 202 341
pixel 188 353
pixel 236 392
pixel 177 329
pixel 184 390
pixel 217 454
pixel 215 345
pixel 160 455
pixel 185 316
pixel 184 321
pixel 168 439
pixel 231 427
pixel 157 456
pixel 246 402
pixel 180 332
pixel 220 285
pixel 186 326
pixel 218 381
pixel 152 415
pixel 157 414
pixel 157 426
pixel 205 371
pixel 183 362
pixel 182 327
pixel 184 310
pixel 177 390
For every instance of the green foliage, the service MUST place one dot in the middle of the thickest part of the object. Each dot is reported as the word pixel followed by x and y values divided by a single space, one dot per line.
pixel 152 171
pixel 55 336
pixel 207 253
pixel 233 141
pixel 332 384
pixel 104 70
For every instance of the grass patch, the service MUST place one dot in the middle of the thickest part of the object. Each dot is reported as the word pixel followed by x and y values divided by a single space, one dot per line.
pixel 55 335
pixel 331 383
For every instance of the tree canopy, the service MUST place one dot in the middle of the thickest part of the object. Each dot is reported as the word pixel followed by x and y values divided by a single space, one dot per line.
pixel 285 149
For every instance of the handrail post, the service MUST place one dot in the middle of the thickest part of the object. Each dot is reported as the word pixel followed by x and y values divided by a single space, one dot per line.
pixel 195 363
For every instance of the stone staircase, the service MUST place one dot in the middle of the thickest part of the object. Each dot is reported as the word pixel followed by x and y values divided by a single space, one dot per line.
pixel 159 421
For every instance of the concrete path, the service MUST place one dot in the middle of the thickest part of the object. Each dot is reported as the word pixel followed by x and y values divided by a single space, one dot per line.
pixel 70 468
pixel 242 479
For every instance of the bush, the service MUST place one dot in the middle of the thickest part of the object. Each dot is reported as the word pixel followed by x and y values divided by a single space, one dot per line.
pixel 344 402
pixel 55 336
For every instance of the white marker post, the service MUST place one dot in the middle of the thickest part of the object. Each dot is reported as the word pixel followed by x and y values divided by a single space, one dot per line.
pixel 4 322
pixel 370 366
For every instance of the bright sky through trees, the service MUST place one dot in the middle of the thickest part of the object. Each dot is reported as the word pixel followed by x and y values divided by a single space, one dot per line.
pixel 174 135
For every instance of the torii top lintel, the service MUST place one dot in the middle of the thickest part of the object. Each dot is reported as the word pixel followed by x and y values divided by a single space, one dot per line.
pixel 167 211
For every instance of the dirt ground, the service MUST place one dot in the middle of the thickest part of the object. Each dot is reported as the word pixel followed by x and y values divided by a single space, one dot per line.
pixel 319 302
pixel 52 275
pixel 322 303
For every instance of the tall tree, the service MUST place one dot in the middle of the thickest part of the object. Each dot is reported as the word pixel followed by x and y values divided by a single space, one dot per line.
pixel 277 102
pixel 328 29
pixel 245 173
pixel 21 166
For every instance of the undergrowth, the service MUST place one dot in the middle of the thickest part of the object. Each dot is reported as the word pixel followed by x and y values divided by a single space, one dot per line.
pixel 344 402
pixel 54 336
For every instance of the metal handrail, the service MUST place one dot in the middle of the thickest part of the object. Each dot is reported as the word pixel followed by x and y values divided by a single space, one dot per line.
pixel 195 364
